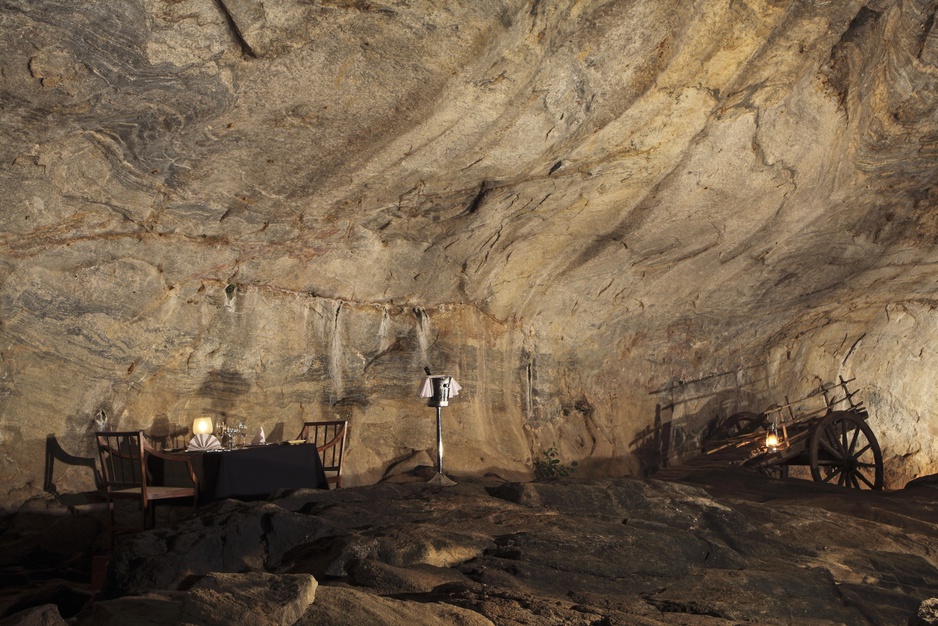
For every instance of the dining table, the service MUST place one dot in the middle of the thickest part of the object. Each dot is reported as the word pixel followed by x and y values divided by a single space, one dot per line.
pixel 248 472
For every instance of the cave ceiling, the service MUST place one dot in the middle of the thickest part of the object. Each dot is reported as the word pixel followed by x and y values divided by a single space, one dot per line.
pixel 631 162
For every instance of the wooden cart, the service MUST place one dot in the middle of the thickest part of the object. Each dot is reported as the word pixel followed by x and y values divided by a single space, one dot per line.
pixel 835 441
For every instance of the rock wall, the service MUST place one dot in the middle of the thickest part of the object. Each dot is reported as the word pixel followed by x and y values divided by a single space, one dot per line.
pixel 613 222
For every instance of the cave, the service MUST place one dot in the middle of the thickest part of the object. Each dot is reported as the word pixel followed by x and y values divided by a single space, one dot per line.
pixel 616 223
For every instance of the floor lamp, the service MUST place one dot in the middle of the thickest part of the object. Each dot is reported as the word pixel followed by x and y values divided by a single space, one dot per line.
pixel 438 389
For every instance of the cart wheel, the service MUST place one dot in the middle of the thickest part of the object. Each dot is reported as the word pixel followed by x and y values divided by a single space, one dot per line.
pixel 844 449
pixel 741 424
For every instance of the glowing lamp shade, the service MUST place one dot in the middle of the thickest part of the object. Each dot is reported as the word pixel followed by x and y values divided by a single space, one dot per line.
pixel 202 426
pixel 771 438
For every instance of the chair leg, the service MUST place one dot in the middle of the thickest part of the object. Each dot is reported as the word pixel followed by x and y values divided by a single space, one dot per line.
pixel 110 521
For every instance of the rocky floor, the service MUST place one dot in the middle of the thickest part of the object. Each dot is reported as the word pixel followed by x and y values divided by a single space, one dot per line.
pixel 710 550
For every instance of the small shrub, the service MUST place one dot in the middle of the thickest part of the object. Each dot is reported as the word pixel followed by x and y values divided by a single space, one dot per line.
pixel 550 465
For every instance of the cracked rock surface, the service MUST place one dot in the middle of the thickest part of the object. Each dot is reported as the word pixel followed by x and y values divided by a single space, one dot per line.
pixel 721 548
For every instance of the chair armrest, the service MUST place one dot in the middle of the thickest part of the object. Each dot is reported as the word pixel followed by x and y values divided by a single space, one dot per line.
pixel 175 458
pixel 169 456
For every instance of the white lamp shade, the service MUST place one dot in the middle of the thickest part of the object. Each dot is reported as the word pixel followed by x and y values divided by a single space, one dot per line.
pixel 202 426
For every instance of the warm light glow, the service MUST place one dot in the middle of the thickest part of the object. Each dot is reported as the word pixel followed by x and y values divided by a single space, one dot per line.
pixel 202 426
pixel 771 440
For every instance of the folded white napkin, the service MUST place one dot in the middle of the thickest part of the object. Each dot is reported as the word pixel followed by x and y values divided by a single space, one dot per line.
pixel 426 388
pixel 259 438
pixel 204 442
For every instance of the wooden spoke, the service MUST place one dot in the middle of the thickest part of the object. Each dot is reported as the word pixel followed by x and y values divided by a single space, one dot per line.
pixel 860 475
pixel 831 441
pixel 857 455
pixel 853 444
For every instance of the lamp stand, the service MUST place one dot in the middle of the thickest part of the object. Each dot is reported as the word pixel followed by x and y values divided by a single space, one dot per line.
pixel 440 478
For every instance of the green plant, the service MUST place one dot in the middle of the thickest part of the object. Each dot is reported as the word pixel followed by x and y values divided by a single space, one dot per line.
pixel 550 465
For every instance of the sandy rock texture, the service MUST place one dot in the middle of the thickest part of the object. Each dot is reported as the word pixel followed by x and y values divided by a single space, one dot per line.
pixel 607 219
pixel 717 549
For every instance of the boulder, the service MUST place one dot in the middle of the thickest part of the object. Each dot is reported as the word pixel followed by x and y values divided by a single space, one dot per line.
pixel 249 599
pixel 927 613
pixel 42 615
pixel 343 606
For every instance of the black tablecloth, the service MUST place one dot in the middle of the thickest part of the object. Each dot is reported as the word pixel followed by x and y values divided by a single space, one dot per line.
pixel 254 472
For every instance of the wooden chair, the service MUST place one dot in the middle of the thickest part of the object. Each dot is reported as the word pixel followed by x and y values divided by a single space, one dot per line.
pixel 125 476
pixel 329 438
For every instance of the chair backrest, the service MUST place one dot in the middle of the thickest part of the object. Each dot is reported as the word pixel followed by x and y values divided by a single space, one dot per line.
pixel 329 438
pixel 123 463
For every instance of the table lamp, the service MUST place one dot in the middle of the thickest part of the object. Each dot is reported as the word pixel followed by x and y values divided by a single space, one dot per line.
pixel 202 426
pixel 202 437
